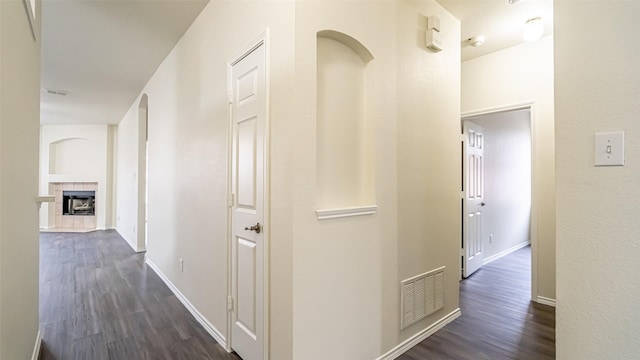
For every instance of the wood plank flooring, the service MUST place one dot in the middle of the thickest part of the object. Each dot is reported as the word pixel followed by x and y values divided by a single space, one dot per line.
pixel 98 300
pixel 498 321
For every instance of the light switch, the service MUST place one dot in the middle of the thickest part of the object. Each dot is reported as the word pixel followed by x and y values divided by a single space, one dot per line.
pixel 609 149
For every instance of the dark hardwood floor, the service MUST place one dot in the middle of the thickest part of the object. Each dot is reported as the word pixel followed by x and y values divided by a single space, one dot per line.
pixel 498 321
pixel 98 300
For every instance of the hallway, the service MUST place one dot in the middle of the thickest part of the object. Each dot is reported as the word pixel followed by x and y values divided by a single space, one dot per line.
pixel 498 321
pixel 98 300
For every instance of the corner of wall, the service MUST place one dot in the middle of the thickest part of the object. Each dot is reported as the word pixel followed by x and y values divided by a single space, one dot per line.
pixel 19 148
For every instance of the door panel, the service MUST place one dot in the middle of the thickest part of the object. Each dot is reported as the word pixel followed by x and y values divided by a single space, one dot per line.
pixel 473 198
pixel 246 317
pixel 246 142
pixel 247 210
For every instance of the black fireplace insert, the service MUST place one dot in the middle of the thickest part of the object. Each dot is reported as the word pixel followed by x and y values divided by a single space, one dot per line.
pixel 78 202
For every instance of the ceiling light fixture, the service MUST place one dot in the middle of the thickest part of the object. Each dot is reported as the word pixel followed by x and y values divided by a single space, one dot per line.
pixel 476 41
pixel 513 2
pixel 533 29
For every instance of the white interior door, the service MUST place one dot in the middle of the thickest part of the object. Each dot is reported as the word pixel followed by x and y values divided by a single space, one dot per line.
pixel 473 198
pixel 247 215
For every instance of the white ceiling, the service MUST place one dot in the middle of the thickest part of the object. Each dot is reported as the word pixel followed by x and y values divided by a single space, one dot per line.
pixel 500 22
pixel 103 52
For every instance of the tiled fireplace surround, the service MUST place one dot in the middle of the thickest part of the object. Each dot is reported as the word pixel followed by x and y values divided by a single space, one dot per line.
pixel 73 222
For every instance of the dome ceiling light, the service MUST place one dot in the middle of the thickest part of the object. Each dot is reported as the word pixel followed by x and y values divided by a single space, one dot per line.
pixel 533 29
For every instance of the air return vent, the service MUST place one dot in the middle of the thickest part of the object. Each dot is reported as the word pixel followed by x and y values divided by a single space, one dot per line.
pixel 57 92
pixel 422 295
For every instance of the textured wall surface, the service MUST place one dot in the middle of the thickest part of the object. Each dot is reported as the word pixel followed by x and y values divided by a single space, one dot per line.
pixel 335 280
pixel 188 131
pixel 349 270
pixel 597 88
pixel 19 127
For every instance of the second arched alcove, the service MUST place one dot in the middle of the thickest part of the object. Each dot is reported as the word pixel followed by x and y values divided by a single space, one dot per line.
pixel 143 171
pixel 344 126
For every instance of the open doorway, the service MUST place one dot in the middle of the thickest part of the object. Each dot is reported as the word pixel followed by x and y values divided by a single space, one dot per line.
pixel 505 224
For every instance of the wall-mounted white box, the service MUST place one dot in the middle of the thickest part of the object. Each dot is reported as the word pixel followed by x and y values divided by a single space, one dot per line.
pixel 433 22
pixel 433 41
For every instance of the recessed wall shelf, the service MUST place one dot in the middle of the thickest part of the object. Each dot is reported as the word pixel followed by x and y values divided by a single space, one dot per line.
pixel 345 126
pixel 346 212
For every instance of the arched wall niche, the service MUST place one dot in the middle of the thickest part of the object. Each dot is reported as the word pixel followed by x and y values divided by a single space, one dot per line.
pixel 353 44
pixel 72 156
pixel 345 176
pixel 143 116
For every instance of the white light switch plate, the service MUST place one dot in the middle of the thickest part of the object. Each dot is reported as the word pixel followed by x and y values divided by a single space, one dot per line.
pixel 609 149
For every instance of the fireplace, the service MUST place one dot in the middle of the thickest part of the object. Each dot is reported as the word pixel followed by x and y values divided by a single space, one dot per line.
pixel 78 202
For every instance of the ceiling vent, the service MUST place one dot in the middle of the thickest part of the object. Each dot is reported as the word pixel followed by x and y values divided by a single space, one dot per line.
pixel 57 92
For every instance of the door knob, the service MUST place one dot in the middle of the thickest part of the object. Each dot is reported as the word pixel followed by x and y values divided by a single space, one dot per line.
pixel 482 204
pixel 255 228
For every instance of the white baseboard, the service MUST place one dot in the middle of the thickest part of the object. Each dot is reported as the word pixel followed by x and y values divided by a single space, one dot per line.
pixel 131 245
pixel 217 335
pixel 545 301
pixel 505 252
pixel 36 347
pixel 417 338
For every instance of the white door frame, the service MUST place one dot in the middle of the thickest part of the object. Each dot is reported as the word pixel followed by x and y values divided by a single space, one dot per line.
pixel 533 219
pixel 261 39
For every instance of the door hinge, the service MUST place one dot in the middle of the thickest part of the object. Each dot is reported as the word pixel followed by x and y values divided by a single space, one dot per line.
pixel 462 137
pixel 229 303
pixel 230 200
pixel 230 97
pixel 462 252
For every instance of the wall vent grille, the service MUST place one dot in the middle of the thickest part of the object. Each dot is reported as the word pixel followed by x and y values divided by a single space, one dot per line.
pixel 57 92
pixel 422 295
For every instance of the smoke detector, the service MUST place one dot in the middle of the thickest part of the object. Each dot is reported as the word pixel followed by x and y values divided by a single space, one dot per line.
pixel 476 41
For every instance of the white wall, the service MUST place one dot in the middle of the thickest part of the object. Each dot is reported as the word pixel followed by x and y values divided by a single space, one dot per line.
pixel 92 147
pixel 336 263
pixel 347 272
pixel 127 154
pixel 507 181
pixel 130 180
pixel 428 160
pixel 19 127
pixel 334 280
pixel 597 89
pixel 518 75
pixel 188 129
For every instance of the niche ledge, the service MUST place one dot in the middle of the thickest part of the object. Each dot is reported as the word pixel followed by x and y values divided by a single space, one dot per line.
pixel 346 212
